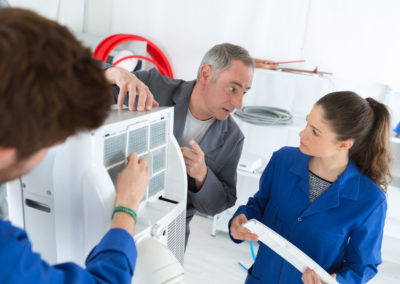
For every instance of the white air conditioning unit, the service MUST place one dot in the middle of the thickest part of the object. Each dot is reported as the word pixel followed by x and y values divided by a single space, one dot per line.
pixel 65 204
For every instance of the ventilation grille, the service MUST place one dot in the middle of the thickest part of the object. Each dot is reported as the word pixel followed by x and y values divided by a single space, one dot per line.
pixel 113 172
pixel 176 236
pixel 114 149
pixel 147 141
pixel 138 141
pixel 159 160
pixel 156 184
pixel 157 134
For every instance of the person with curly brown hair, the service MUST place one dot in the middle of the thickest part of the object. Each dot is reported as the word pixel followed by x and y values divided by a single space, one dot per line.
pixel 51 88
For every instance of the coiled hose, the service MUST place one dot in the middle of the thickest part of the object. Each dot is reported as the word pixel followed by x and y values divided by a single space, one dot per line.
pixel 263 115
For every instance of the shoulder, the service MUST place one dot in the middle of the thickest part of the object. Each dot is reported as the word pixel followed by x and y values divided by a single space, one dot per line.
pixel 165 89
pixel 11 236
pixel 290 158
pixel 370 191
pixel 289 153
pixel 359 187
pixel 6 228
pixel 157 77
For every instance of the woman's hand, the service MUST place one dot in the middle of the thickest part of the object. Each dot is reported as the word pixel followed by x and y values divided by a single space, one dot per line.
pixel 239 232
pixel 310 277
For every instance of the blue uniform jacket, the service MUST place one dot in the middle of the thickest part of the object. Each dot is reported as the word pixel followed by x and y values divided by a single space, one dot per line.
pixel 342 230
pixel 111 261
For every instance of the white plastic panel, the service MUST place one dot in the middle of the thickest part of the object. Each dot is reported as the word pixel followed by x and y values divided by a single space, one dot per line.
pixel 287 250
pixel 40 222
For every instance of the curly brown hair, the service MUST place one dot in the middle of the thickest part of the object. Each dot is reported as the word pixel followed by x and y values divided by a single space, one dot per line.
pixel 50 88
pixel 367 122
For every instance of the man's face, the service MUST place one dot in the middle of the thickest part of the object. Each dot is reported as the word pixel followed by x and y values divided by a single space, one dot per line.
pixel 12 168
pixel 224 93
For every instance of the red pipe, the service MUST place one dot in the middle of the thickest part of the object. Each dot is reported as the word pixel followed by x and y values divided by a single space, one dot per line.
pixel 159 67
pixel 105 47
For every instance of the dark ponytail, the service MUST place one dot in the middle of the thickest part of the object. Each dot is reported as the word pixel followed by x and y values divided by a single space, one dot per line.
pixel 367 122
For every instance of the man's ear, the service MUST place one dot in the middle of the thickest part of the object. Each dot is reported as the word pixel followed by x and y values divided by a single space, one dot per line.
pixel 205 73
pixel 346 144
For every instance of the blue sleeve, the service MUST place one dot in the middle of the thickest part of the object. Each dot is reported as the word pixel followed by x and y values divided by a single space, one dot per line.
pixel 254 209
pixel 363 252
pixel 112 261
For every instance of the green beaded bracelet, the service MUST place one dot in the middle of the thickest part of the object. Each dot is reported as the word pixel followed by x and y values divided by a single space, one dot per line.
pixel 126 210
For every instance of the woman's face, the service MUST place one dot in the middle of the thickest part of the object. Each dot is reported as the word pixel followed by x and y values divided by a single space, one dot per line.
pixel 317 138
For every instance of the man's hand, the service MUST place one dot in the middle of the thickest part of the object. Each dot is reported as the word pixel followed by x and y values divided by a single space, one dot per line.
pixel 132 182
pixel 195 164
pixel 129 83
pixel 239 232
pixel 310 277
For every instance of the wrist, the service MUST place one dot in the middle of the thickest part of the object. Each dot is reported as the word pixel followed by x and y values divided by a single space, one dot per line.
pixel 123 209
pixel 201 179
pixel 131 205
pixel 204 175
pixel 109 74
pixel 123 221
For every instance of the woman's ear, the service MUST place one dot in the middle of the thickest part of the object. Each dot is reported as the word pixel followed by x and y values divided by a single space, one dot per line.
pixel 346 144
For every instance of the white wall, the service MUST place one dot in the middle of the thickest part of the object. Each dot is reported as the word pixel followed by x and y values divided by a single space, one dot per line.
pixel 357 40
pixel 187 29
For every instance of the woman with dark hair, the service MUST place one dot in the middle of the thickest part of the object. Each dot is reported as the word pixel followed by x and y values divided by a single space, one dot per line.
pixel 327 197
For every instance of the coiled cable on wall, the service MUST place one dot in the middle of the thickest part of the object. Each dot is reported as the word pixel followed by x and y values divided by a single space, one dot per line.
pixel 263 115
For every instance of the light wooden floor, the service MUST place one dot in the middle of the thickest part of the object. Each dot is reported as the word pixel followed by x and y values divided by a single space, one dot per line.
pixel 210 260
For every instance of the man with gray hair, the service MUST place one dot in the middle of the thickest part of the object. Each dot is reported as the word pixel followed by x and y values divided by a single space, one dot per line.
pixel 210 140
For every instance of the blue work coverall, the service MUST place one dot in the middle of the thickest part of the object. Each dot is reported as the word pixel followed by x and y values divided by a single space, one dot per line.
pixel 342 230
pixel 111 261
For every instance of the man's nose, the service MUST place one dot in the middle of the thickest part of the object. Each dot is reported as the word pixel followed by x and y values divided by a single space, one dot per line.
pixel 237 101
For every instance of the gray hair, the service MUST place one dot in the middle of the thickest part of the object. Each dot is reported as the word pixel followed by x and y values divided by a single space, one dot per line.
pixel 220 56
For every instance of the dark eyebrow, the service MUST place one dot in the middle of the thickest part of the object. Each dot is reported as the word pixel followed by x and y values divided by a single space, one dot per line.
pixel 312 126
pixel 238 84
